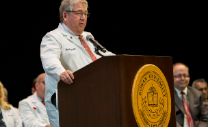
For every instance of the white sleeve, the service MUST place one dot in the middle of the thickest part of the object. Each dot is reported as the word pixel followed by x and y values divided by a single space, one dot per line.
pixel 28 117
pixel 17 118
pixel 107 53
pixel 50 51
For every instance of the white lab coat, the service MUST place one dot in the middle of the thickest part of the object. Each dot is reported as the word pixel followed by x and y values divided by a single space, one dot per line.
pixel 62 51
pixel 11 118
pixel 33 112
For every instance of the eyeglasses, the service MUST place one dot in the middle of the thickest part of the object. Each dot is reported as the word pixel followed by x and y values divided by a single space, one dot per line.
pixel 80 13
pixel 203 89
pixel 180 76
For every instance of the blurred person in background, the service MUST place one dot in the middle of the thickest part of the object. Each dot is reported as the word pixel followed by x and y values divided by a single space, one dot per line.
pixel 5 95
pixel 33 89
pixel 189 107
pixel 32 109
pixel 6 99
pixel 201 85
pixel 8 116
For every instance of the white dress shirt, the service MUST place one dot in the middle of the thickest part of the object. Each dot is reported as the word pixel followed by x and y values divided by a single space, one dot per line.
pixel 180 96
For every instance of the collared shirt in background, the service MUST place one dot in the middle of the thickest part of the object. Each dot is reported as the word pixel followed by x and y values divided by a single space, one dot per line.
pixel 180 96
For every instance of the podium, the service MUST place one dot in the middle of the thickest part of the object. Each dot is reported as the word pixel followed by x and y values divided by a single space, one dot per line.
pixel 101 93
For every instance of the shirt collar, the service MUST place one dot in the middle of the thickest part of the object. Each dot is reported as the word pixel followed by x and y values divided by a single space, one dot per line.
pixel 206 102
pixel 38 97
pixel 67 29
pixel 179 92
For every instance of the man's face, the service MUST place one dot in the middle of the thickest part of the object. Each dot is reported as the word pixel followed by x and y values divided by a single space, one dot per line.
pixel 40 87
pixel 202 86
pixel 75 22
pixel 181 77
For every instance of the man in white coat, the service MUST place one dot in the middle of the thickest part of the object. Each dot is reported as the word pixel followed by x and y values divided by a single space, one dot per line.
pixel 32 109
pixel 66 50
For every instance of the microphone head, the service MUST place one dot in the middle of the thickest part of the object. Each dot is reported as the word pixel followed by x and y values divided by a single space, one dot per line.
pixel 88 37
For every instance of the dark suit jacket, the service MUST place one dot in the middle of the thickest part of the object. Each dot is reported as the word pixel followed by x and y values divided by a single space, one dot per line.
pixel 198 111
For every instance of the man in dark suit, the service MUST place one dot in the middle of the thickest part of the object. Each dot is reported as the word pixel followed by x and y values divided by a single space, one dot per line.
pixel 190 111
pixel 201 85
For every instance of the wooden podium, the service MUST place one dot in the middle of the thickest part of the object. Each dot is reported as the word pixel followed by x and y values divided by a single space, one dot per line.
pixel 101 93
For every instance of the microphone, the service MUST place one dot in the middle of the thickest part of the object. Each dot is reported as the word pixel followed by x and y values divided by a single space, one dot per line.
pixel 95 43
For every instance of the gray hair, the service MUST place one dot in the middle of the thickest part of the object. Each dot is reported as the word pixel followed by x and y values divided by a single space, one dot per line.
pixel 68 5
pixel 198 80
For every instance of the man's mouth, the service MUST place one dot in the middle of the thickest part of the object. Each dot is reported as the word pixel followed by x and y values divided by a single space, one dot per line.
pixel 182 83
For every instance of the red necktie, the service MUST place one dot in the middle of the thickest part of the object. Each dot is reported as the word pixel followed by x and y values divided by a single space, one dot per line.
pixel 43 102
pixel 87 48
pixel 187 110
pixel 206 107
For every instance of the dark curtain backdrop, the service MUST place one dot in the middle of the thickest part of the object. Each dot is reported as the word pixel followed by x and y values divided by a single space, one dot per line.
pixel 171 29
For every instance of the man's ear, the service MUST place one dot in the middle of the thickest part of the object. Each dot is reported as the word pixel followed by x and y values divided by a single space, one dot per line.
pixel 64 16
pixel 36 85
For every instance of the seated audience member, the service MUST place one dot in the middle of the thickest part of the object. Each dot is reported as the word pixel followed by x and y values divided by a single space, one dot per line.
pixel 190 111
pixel 201 85
pixel 32 109
pixel 33 86
pixel 8 116
pixel 5 95
pixel 6 99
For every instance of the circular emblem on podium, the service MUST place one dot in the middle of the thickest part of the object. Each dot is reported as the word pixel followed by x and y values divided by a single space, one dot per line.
pixel 151 97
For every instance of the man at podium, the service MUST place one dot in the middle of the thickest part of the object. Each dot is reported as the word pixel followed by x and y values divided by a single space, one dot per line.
pixel 189 108
pixel 66 50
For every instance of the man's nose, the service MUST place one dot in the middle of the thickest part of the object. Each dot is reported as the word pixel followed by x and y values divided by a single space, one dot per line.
pixel 182 77
pixel 83 16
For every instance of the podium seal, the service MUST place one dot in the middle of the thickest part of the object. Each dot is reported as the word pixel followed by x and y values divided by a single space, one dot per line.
pixel 151 99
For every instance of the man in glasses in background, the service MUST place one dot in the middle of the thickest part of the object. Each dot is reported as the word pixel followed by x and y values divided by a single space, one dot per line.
pixel 201 85
pixel 189 108
pixel 32 109
pixel 66 50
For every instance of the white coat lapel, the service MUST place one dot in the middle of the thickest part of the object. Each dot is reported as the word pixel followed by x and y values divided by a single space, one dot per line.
pixel 75 40
pixel 72 38
pixel 8 117
pixel 37 103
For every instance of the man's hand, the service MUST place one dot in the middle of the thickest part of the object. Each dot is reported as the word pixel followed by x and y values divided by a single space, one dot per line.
pixel 48 125
pixel 67 77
